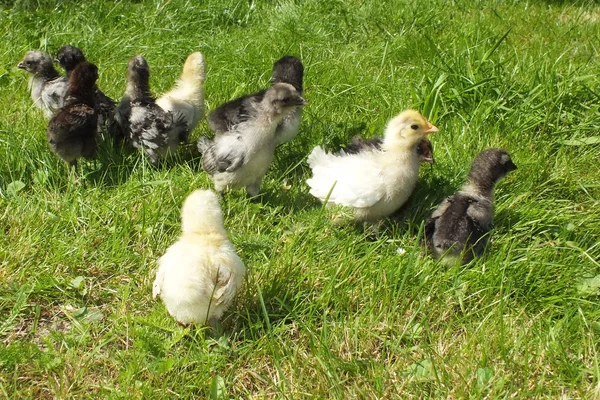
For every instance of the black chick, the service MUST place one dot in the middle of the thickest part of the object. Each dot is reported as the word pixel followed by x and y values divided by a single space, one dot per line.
pixel 358 144
pixel 71 132
pixel 458 229
pixel 48 88
pixel 69 57
pixel 145 124
pixel 289 70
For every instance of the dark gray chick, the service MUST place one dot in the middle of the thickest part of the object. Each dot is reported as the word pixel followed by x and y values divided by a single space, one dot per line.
pixel 71 132
pixel 289 70
pixel 241 157
pixel 69 57
pixel 458 229
pixel 145 124
pixel 358 144
pixel 48 88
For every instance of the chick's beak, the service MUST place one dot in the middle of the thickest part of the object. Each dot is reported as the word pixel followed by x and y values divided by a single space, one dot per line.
pixel 301 102
pixel 431 129
pixel 21 65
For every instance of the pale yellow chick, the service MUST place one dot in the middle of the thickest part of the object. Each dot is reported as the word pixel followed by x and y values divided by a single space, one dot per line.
pixel 199 275
pixel 187 96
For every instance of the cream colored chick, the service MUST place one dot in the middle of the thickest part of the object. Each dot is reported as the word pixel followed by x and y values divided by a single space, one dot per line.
pixel 187 96
pixel 374 183
pixel 199 275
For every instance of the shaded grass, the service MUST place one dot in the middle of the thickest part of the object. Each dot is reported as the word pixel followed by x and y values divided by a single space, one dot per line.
pixel 324 312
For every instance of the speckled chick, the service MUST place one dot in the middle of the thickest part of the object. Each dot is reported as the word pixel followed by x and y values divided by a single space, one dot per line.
pixel 458 229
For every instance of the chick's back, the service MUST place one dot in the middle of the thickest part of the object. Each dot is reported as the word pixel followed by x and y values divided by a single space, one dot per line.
pixel 201 275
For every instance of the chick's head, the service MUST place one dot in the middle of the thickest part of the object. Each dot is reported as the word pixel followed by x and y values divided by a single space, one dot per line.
pixel 36 62
pixel 138 69
pixel 84 74
pixel 290 70
pixel 282 98
pixel 408 128
pixel 69 56
pixel 194 68
pixel 201 213
pixel 490 166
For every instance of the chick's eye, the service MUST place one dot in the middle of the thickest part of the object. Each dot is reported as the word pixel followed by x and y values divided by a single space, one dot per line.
pixel 285 99
pixel 414 127
pixel 28 62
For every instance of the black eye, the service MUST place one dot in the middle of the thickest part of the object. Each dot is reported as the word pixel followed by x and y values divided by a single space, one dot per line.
pixel 414 127
pixel 28 62
pixel 285 99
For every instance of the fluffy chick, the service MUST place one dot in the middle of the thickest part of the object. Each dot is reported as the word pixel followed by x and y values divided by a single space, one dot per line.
pixel 373 183
pixel 458 229
pixel 187 96
pixel 69 57
pixel 199 275
pixel 48 88
pixel 289 70
pixel 144 123
pixel 241 157
pixel 71 132
pixel 358 145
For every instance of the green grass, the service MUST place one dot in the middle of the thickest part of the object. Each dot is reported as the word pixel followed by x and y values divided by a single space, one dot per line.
pixel 324 313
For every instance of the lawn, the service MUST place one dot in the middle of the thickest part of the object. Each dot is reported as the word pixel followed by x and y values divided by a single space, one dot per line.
pixel 324 312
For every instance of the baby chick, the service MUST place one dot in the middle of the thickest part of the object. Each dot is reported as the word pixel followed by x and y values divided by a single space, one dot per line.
pixel 199 275
pixel 241 157
pixel 358 144
pixel 72 131
pixel 69 57
pixel 458 228
pixel 187 96
pixel 48 88
pixel 373 183
pixel 144 123
pixel 289 70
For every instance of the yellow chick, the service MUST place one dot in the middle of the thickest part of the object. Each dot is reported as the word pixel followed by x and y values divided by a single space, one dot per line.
pixel 199 275
pixel 373 183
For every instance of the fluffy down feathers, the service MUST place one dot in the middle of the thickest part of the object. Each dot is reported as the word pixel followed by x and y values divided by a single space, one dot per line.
pixel 69 57
pixel 358 145
pixel 71 132
pixel 458 228
pixel 288 70
pixel 187 97
pixel 199 275
pixel 48 88
pixel 374 183
pixel 145 124
pixel 241 157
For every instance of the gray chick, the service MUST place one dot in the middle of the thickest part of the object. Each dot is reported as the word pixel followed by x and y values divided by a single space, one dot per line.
pixel 241 157
pixel 289 70
pixel 48 88
pixel 458 229
pixel 358 145
pixel 143 122
pixel 69 57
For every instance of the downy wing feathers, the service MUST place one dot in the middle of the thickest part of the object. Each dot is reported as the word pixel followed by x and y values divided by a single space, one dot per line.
pixel 225 155
pixel 54 93
pixel 225 117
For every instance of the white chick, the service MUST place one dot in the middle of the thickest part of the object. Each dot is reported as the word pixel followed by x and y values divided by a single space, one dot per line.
pixel 241 157
pixel 187 96
pixel 199 275
pixel 373 183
